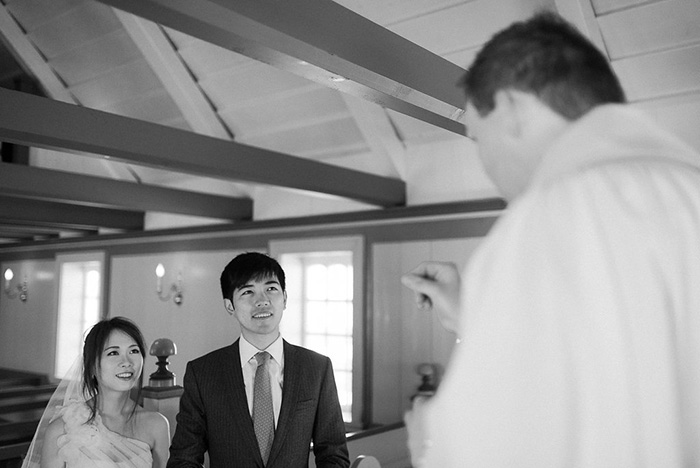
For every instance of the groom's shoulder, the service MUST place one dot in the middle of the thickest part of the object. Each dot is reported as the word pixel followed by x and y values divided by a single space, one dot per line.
pixel 300 352
pixel 216 356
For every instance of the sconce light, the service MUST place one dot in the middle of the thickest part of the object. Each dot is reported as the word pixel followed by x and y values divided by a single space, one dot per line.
pixel 162 348
pixel 175 289
pixel 21 289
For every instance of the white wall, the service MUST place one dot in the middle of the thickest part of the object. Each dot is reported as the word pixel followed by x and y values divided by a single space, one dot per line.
pixel 404 336
pixel 28 329
pixel 199 325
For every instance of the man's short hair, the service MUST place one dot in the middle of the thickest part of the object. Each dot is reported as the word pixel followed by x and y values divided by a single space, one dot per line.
pixel 547 57
pixel 249 266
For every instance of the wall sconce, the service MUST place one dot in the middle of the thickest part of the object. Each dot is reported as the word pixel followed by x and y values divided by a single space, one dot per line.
pixel 21 289
pixel 175 289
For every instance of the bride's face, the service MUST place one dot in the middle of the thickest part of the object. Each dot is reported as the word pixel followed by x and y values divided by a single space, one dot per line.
pixel 120 363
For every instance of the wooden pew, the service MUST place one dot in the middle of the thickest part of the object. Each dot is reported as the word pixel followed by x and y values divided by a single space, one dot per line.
pixel 14 378
pixel 21 407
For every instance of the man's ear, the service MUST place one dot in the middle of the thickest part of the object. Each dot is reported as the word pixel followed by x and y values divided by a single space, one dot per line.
pixel 229 306
pixel 512 106
pixel 285 299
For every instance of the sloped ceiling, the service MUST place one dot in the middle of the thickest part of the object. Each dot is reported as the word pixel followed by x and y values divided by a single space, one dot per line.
pixel 125 115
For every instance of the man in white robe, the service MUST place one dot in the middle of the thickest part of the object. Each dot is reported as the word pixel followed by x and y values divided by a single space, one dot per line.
pixel 579 315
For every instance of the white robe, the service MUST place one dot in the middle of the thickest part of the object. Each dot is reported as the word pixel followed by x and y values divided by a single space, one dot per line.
pixel 580 317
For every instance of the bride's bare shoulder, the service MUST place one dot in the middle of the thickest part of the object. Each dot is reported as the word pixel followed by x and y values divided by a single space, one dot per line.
pixel 152 423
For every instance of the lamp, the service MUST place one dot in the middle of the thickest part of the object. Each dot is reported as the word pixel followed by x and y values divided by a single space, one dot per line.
pixel 162 348
pixel 175 288
pixel 21 289
pixel 428 373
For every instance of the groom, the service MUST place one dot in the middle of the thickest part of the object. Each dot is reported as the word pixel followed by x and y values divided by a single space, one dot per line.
pixel 220 409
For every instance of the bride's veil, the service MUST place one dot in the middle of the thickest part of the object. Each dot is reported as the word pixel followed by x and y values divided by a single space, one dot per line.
pixel 70 389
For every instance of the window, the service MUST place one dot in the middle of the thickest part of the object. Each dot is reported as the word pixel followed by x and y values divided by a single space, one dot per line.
pixel 79 304
pixel 324 308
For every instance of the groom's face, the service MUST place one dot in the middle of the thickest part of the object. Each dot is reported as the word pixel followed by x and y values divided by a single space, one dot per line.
pixel 258 305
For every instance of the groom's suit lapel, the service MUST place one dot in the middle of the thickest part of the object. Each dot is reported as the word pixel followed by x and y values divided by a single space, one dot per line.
pixel 238 410
pixel 290 396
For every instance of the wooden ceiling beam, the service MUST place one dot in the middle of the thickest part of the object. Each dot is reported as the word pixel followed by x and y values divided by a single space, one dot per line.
pixel 8 229
pixel 46 184
pixel 42 122
pixel 14 210
pixel 326 43
pixel 178 81
pixel 29 57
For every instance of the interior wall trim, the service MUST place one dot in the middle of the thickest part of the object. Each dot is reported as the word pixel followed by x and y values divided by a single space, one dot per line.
pixel 462 219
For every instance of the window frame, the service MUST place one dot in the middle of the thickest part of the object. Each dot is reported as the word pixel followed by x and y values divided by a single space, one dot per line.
pixel 61 259
pixel 355 244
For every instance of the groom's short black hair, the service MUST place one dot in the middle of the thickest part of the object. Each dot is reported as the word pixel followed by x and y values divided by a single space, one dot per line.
pixel 249 266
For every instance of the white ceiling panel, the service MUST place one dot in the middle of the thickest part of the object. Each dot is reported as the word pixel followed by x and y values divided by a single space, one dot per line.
pixel 122 83
pixel 87 22
pixel 465 25
pixel 289 109
pixel 231 88
pixel 155 106
pixel 34 13
pixel 320 138
pixel 205 59
pixel 602 7
pixel 651 27
pixel 667 73
pixel 390 12
pixel 95 58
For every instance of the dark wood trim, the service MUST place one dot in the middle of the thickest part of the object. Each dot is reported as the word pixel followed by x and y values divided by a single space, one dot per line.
pixel 74 128
pixel 16 391
pixel 438 221
pixel 372 431
pixel 68 187
pixel 61 217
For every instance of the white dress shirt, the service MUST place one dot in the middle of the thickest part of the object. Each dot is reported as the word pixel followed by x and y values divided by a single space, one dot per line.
pixel 276 368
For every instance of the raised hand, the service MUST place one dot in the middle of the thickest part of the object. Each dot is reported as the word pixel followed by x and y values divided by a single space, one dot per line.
pixel 437 287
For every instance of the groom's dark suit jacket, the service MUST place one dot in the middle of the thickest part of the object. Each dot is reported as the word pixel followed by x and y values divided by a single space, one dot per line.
pixel 214 414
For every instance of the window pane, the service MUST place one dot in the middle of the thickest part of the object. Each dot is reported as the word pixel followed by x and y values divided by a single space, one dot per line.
pixel 316 343
pixel 316 317
pixel 78 309
pixel 325 300
pixel 291 325
pixel 340 352
pixel 316 282
pixel 339 283
pixel 339 318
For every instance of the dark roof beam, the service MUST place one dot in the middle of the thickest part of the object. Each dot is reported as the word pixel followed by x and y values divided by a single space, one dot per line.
pixel 41 122
pixel 324 42
pixel 18 211
pixel 46 184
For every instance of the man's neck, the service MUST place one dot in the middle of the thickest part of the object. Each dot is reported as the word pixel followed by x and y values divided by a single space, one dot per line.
pixel 261 342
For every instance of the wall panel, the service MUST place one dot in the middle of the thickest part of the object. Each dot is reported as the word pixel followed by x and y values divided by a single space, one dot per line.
pixel 28 329
pixel 199 325
pixel 404 336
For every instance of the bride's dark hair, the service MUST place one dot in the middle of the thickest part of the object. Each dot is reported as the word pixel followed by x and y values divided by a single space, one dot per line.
pixel 92 351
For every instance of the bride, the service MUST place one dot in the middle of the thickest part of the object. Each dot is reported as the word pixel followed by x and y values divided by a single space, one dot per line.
pixel 91 421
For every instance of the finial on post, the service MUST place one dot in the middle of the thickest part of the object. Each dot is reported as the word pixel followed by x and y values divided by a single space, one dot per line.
pixel 162 377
